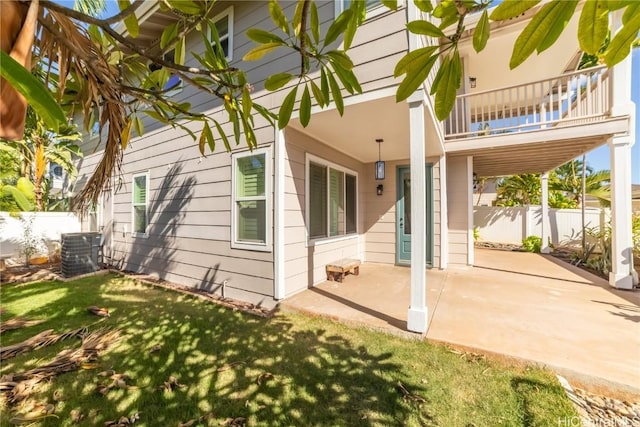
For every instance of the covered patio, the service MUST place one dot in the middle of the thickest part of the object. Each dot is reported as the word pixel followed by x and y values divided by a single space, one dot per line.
pixel 523 305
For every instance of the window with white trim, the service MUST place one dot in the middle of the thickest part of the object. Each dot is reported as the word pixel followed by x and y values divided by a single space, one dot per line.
pixel 224 25
pixel 332 200
pixel 372 5
pixel 140 203
pixel 251 223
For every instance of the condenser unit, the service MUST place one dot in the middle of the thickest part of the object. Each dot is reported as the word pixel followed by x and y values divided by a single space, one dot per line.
pixel 81 253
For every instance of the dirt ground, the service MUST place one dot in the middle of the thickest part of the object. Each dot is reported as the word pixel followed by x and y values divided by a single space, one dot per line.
pixel 19 274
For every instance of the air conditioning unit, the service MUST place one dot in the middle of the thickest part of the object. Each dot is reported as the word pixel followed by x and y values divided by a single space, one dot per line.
pixel 81 253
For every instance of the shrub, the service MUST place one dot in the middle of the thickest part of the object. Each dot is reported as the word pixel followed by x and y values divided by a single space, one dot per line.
pixel 532 244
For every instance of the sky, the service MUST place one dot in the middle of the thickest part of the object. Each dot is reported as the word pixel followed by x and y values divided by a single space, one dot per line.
pixel 599 158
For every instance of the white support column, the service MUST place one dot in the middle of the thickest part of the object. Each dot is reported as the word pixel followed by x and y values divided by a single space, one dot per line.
pixel 444 215
pixel 622 275
pixel 417 318
pixel 470 239
pixel 278 216
pixel 546 225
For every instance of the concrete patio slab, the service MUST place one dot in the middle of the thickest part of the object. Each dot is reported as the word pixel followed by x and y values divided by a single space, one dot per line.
pixel 522 305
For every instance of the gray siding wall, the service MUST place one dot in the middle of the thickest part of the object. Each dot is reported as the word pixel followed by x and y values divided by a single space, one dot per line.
pixel 189 197
pixel 189 218
pixel 380 212
pixel 305 262
pixel 459 200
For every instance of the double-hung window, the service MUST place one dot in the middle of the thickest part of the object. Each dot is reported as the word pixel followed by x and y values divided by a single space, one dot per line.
pixel 140 204
pixel 224 26
pixel 332 200
pixel 251 218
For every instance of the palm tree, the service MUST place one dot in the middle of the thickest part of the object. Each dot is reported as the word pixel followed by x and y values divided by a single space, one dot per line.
pixel 38 149
pixel 568 180
pixel 519 190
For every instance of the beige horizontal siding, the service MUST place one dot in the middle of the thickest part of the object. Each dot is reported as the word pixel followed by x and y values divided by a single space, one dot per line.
pixel 304 263
pixel 380 215
pixel 458 205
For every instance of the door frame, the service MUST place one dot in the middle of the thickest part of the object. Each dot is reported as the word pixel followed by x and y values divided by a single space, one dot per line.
pixel 429 210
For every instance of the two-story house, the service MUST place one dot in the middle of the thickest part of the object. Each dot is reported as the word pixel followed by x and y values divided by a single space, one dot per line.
pixel 261 225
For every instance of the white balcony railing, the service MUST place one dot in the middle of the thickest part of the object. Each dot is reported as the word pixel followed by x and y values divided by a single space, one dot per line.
pixel 570 99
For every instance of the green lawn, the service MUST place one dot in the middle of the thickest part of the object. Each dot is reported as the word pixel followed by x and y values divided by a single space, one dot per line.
pixel 287 370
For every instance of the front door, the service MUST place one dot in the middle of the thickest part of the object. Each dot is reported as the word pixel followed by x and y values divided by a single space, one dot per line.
pixel 403 215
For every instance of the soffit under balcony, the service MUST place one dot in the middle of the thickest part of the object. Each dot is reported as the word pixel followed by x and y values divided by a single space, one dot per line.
pixel 534 152
pixel 355 133
pixel 491 66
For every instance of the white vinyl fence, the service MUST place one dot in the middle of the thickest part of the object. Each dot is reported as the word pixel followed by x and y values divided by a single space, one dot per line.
pixel 512 225
pixel 48 226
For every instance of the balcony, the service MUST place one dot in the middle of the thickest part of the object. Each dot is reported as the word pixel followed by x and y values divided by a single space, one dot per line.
pixel 567 100
pixel 535 126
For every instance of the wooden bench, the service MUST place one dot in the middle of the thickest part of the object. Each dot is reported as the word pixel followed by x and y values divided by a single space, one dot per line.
pixel 338 269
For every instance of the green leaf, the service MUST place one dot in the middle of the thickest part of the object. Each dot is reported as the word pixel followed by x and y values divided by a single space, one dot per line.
pixel 413 59
pixel 315 23
pixel 448 88
pixel 341 58
pixel 336 93
pixel 630 12
pixel 436 80
pixel 223 135
pixel 543 29
pixel 36 94
pixel 424 5
pixel 338 26
pixel 444 9
pixel 125 135
pixel 262 36
pixel 287 108
pixel 156 115
pixel 619 4
pixel 425 27
pixel 560 20
pixel 180 51
pixel 305 107
pixel 185 6
pixel 278 16
pixel 138 125
pixel 266 113
pixel 277 81
pixel 511 8
pixel 297 18
pixel 414 78
pixel 324 84
pixel 21 200
pixel 169 33
pixel 593 26
pixel 247 102
pixel 348 79
pixel 131 21
pixel 390 4
pixel 259 51
pixel 482 32
pixel 206 137
pixel 317 94
pixel 620 46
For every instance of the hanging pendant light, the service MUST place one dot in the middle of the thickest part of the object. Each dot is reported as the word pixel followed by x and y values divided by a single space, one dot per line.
pixel 379 163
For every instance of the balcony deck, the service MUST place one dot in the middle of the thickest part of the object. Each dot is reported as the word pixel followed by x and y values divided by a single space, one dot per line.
pixel 534 127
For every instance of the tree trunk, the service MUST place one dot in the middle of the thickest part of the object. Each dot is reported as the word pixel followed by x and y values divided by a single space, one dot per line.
pixel 16 38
